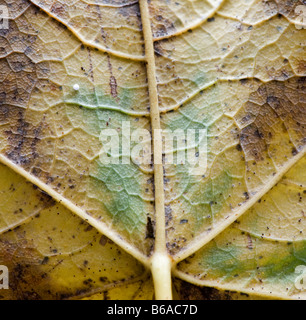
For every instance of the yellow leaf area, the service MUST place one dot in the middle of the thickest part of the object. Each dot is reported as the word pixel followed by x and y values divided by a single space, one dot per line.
pixel 74 227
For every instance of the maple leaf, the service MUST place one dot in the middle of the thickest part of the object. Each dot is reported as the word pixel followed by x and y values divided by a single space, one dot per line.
pixel 75 226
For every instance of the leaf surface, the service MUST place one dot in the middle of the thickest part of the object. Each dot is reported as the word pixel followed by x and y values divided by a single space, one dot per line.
pixel 71 69
pixel 262 250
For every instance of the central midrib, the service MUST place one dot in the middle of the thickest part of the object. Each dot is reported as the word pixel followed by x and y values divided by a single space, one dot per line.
pixel 160 260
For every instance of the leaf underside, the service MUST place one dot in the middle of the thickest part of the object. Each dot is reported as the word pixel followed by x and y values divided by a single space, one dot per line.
pixel 72 227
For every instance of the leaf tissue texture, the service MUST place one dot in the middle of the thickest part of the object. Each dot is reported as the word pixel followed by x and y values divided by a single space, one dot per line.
pixel 75 227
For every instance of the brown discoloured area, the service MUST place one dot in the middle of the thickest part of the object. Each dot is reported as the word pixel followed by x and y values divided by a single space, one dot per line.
pixel 129 9
pixel 23 264
pixel 19 77
pixel 27 134
pixel 29 277
pixel 161 25
pixel 273 104
pixel 301 66
pixel 27 280
pixel 288 7
pixel 188 291
pixel 285 8
pixel 60 9
pixel 253 141
pixel 22 138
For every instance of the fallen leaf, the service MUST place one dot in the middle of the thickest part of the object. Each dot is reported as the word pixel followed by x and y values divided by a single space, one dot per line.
pixel 75 227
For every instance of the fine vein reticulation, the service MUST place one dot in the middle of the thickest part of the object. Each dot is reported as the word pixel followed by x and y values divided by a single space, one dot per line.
pixel 236 70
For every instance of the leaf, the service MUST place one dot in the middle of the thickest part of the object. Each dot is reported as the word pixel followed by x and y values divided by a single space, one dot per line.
pixel 261 251
pixel 75 227
pixel 53 254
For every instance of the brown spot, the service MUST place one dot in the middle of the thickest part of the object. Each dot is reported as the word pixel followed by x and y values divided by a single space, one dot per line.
pixel 275 107
pixel 238 147
pixel 247 196
pixel 103 241
pixel 88 228
pixel 150 229
pixel 103 279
